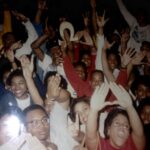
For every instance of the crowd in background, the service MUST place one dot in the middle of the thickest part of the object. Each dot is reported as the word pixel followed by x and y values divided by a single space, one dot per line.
pixel 67 87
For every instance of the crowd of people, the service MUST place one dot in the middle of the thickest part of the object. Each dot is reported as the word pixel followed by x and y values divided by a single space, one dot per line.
pixel 68 89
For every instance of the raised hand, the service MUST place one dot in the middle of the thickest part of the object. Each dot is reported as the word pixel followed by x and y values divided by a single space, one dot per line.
pixel 73 127
pixel 93 3
pixel 20 16
pixel 27 66
pixel 53 88
pixel 123 98
pixel 127 57
pixel 138 57
pixel 86 19
pixel 98 97
pixel 107 45
pixel 42 5
pixel 101 21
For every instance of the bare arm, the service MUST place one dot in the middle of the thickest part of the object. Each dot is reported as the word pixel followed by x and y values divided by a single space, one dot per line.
pixel 130 19
pixel 27 67
pixel 97 104
pixel 41 8
pixel 125 101
pixel 108 73
pixel 93 5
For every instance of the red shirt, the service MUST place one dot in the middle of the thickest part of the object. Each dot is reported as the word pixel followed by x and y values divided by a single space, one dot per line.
pixel 129 145
pixel 81 87
pixel 122 79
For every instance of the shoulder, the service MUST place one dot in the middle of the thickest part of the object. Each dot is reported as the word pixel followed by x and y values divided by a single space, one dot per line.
pixel 7 99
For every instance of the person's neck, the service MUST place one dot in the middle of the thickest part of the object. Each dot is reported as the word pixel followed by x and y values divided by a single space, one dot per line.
pixel 25 96
pixel 44 142
pixel 65 104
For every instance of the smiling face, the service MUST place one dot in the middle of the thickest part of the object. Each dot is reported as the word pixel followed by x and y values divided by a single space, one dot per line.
pixel 142 91
pixel 97 79
pixel 119 131
pixel 86 59
pixel 112 61
pixel 82 108
pixel 19 87
pixel 38 124
pixel 80 72
pixel 145 114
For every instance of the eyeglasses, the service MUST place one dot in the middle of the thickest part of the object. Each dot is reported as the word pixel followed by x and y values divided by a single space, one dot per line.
pixel 36 123
pixel 124 126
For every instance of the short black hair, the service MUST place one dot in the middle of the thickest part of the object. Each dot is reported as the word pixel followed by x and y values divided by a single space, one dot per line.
pixel 97 71
pixel 74 102
pixel 141 79
pixel 34 107
pixel 143 103
pixel 5 35
pixel 15 73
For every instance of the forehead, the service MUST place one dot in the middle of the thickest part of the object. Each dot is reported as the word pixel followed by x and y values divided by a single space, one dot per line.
pixel 97 75
pixel 121 118
pixel 79 67
pixel 55 49
pixel 17 78
pixel 80 106
pixel 37 113
pixel 112 56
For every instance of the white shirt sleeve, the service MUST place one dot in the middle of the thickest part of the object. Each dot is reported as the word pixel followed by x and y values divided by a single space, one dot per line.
pixel 100 45
pixel 32 36
pixel 60 70
pixel 130 19
pixel 45 63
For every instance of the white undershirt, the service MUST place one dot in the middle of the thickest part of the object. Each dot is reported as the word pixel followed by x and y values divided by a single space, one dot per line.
pixel 23 103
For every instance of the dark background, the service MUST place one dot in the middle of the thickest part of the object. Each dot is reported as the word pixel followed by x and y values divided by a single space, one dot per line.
pixel 75 8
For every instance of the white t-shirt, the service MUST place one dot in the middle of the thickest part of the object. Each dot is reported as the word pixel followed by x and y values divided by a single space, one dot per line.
pixel 58 128
pixel 23 103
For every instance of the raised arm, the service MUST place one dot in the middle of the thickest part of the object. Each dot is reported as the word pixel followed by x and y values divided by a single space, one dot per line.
pixel 94 23
pixel 125 101
pixel 130 19
pixel 100 20
pixel 36 46
pixel 27 67
pixel 41 8
pixel 107 72
pixel 97 104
